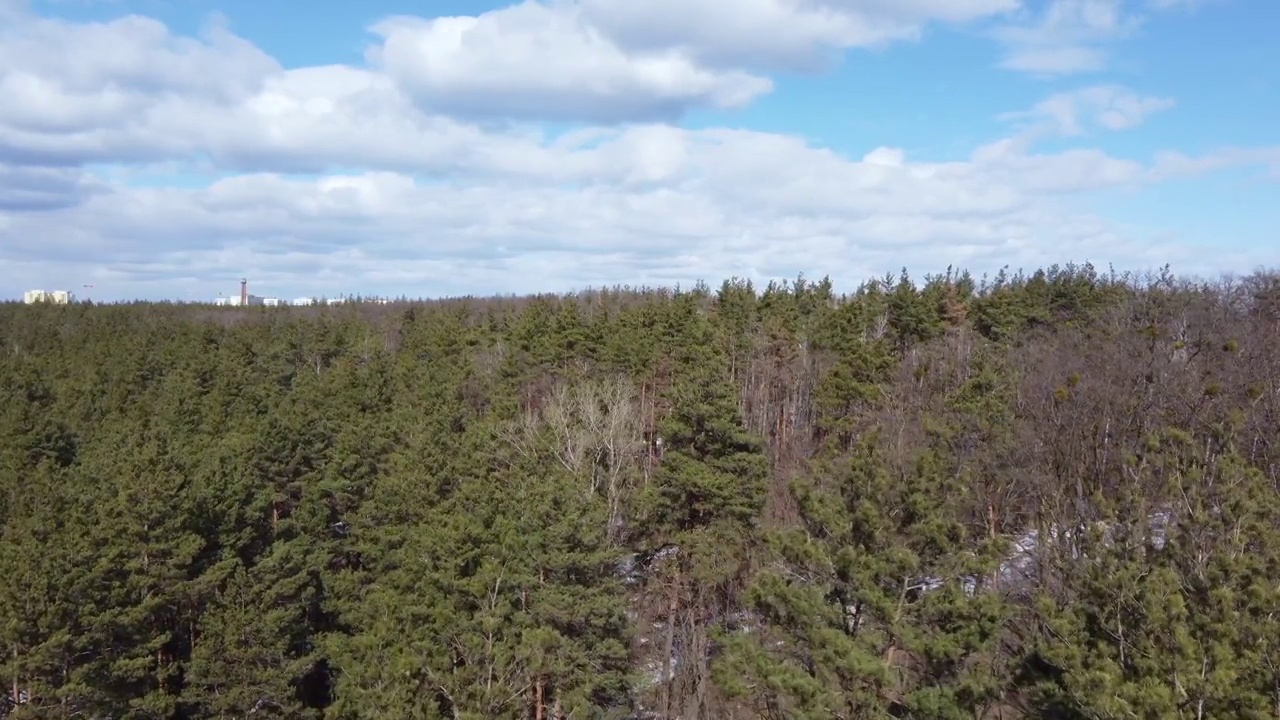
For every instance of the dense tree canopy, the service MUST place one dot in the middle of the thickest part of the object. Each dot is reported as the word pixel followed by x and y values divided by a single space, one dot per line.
pixel 1048 495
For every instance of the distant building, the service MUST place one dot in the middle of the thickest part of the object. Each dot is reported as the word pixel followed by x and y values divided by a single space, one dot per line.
pixel 235 301
pixel 244 298
pixel 57 297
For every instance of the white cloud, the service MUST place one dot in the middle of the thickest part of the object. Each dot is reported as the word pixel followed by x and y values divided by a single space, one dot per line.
pixel 1110 107
pixel 12 9
pixel 1176 166
pixel 132 55
pixel 616 60
pixel 1076 36
pixel 374 231
pixel 777 34
pixel 1068 36
pixel 107 98
pixel 538 62
pixel 25 189
pixel 258 117
pixel 1165 5
pixel 360 179
pixel 651 204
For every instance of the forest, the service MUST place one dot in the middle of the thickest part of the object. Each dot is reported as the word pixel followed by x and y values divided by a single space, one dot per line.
pixel 1048 494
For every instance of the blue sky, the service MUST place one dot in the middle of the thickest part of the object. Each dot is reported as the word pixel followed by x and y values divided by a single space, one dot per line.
pixel 165 148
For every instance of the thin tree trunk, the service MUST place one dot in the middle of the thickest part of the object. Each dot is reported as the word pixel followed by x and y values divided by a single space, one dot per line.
pixel 668 647
pixel 890 656
pixel 537 699
pixel 992 532
pixel 701 691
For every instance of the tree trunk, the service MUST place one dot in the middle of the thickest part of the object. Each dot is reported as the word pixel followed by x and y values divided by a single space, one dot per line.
pixel 668 647
pixel 537 699
pixel 992 531
pixel 701 690
pixel 891 653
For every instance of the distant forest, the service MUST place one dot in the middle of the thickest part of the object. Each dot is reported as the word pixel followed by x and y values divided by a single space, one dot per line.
pixel 1047 495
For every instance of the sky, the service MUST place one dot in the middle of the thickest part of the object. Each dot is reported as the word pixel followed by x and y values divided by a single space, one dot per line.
pixel 163 149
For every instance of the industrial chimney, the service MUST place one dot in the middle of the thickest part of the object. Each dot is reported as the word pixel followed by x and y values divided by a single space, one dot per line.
pixel 244 292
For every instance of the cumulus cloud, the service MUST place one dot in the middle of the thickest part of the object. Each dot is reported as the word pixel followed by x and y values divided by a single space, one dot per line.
pixel 649 204
pixel 616 60
pixel 531 61
pixel 264 118
pixel 380 178
pixel 380 231
pixel 132 55
pixel 773 35
pixel 26 189
pixel 103 101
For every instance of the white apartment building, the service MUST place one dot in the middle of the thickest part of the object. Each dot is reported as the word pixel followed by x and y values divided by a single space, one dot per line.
pixel 57 297
pixel 234 300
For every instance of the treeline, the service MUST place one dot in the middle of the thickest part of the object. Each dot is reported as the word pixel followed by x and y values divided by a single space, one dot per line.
pixel 1049 495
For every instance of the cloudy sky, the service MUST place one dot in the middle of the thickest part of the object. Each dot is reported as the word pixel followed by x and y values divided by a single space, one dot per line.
pixel 166 148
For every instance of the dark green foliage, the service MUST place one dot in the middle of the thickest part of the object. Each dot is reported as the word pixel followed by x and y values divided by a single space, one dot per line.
pixel 1041 495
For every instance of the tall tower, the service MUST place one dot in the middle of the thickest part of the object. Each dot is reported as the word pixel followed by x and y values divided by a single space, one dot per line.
pixel 244 292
